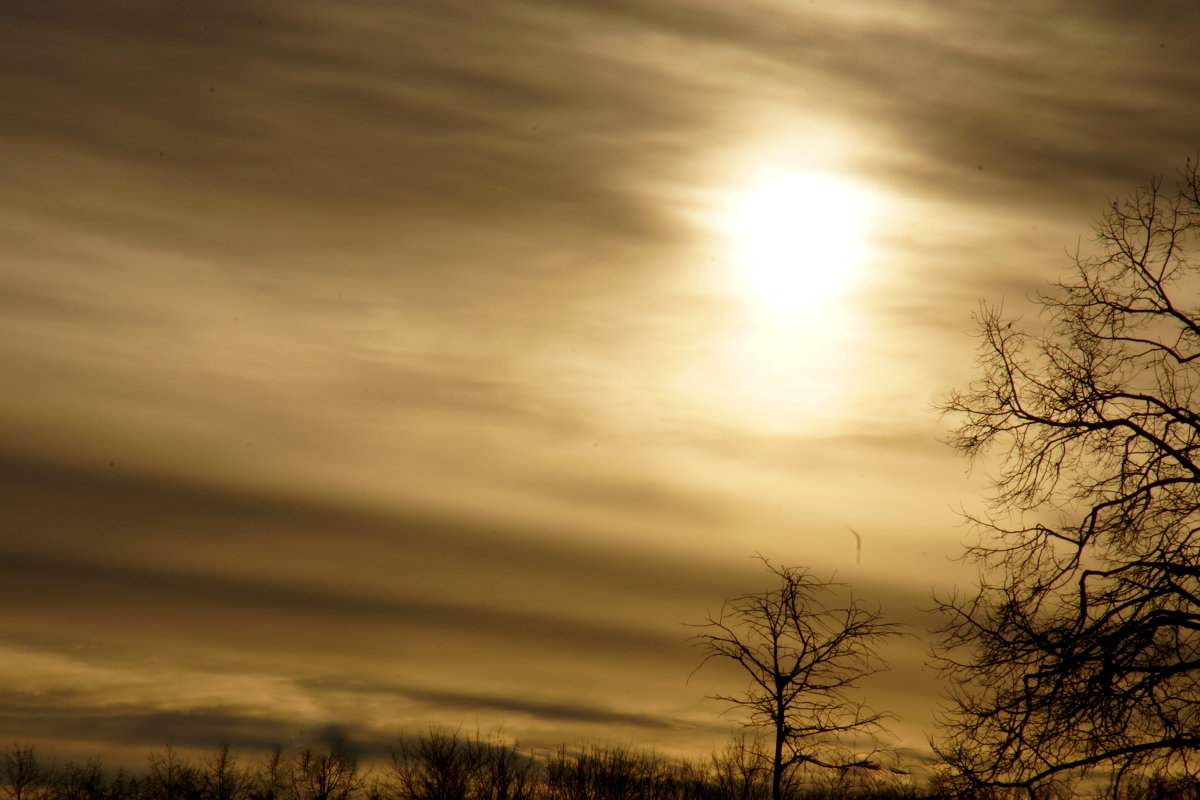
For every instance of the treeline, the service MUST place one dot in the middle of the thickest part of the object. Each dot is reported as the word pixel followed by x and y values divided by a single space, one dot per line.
pixel 438 765
pixel 447 765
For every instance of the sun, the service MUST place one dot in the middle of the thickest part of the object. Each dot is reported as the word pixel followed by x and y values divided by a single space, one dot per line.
pixel 796 237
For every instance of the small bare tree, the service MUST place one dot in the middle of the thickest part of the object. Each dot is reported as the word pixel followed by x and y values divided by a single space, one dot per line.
pixel 22 776
pixel 439 765
pixel 172 776
pixel 268 779
pixel 804 654
pixel 736 772
pixel 323 774
pixel 84 781
pixel 223 778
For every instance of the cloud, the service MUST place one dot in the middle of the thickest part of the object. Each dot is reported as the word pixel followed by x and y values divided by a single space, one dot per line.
pixel 550 710
pixel 169 600
pixel 199 729
pixel 288 111
pixel 131 519
pixel 134 566
pixel 131 732
pixel 368 337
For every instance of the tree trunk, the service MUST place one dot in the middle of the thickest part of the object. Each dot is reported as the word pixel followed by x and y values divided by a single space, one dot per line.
pixel 777 764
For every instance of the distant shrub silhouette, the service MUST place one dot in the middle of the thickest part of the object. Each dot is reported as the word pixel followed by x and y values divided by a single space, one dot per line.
pixel 24 777
pixel 739 771
pixel 620 773
pixel 223 778
pixel 446 765
pixel 440 764
pixel 323 775
pixel 267 782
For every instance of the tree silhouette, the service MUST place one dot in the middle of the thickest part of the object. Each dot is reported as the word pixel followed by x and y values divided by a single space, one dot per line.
pixel 22 776
pixel 737 772
pixel 223 778
pixel 1080 650
pixel 172 776
pixel 323 774
pixel 803 654
pixel 268 781
pixel 440 765
pixel 443 764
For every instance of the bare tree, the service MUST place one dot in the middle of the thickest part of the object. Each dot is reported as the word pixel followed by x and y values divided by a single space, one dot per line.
pixel 1080 651
pixel 440 765
pixel 268 780
pixel 804 655
pixel 323 774
pixel 22 776
pixel 737 771
pixel 223 778
pixel 616 772
pixel 172 777
pixel 505 773
pixel 89 781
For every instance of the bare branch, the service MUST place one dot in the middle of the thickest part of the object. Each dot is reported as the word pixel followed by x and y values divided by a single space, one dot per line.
pixel 1081 648
pixel 803 655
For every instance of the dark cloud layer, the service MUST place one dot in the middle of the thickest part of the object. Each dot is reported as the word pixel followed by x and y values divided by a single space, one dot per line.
pixel 106 514
pixel 49 718
pixel 149 729
pixel 351 115
pixel 475 702
pixel 167 598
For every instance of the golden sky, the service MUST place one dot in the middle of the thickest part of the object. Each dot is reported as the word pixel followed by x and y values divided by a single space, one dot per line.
pixel 381 363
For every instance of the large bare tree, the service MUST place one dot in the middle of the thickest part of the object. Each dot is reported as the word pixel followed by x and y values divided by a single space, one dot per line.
pixel 804 646
pixel 1080 651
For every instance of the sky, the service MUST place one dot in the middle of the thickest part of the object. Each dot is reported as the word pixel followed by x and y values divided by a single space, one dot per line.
pixel 381 364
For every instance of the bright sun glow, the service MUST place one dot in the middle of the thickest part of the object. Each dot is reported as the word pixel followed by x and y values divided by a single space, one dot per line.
pixel 796 237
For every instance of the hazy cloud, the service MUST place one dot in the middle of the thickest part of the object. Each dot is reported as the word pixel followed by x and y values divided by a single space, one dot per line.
pixel 393 351
pixel 474 702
